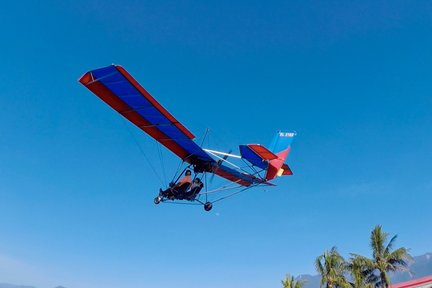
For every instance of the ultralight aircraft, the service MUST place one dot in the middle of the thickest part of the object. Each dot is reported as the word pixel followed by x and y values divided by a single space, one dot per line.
pixel 115 86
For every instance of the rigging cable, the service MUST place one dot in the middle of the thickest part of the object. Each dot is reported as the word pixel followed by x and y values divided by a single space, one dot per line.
pixel 142 152
pixel 232 194
pixel 161 159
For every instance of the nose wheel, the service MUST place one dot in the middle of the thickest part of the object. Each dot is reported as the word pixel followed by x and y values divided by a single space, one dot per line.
pixel 157 200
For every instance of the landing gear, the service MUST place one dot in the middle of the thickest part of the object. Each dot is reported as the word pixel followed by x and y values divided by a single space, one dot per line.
pixel 157 199
pixel 208 206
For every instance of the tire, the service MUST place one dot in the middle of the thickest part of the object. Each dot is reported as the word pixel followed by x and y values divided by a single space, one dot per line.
pixel 157 200
pixel 208 206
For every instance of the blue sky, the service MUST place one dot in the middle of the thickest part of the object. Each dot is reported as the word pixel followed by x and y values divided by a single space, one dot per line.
pixel 76 195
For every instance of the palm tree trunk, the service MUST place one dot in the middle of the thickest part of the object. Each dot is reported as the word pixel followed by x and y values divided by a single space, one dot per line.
pixel 384 279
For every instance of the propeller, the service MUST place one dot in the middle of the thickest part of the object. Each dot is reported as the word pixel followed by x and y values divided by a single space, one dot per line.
pixel 219 162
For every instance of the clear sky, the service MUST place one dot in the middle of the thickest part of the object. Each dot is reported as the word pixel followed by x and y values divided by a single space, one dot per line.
pixel 353 78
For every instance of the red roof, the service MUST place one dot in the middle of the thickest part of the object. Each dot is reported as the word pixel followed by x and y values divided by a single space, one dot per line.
pixel 414 283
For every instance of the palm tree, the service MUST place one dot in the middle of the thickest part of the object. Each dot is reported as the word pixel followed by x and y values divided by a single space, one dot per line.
pixel 361 275
pixel 331 266
pixel 383 259
pixel 289 282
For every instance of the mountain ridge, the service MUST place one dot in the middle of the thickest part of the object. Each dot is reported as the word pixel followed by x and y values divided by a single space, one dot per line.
pixel 420 266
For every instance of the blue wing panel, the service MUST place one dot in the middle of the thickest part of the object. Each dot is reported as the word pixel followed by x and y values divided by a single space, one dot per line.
pixel 248 154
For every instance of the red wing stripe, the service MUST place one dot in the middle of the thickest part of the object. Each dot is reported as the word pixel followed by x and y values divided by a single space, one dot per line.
pixel 154 102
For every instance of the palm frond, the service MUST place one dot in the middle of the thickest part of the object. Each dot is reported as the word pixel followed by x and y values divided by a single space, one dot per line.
pixel 390 245
pixel 378 238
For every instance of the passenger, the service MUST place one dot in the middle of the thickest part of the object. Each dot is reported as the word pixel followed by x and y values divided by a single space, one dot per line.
pixel 195 188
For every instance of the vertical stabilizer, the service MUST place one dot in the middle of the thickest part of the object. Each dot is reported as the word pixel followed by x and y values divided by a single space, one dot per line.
pixel 281 141
pixel 280 146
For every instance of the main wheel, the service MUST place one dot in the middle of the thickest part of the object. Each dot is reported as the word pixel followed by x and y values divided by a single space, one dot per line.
pixel 157 200
pixel 208 206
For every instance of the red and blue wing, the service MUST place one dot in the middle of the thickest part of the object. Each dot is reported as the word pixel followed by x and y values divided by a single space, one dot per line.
pixel 115 86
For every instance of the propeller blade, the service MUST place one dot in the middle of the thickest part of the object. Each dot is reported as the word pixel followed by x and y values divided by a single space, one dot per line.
pixel 219 162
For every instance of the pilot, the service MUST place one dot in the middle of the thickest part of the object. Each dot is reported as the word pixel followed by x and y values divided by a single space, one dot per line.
pixel 186 179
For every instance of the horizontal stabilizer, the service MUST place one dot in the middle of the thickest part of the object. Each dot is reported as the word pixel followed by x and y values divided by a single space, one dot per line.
pixel 257 155
pixel 286 170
